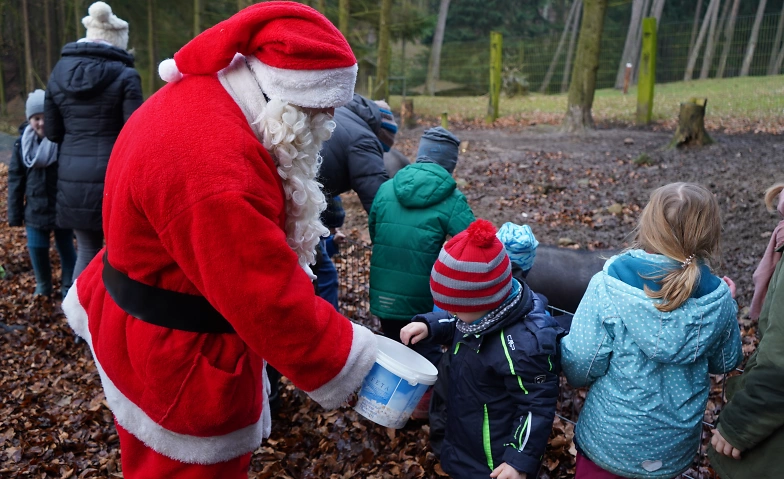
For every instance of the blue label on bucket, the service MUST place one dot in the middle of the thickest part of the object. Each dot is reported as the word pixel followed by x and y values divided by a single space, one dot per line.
pixel 388 399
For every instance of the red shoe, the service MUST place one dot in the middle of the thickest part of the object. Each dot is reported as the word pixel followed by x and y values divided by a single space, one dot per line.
pixel 422 409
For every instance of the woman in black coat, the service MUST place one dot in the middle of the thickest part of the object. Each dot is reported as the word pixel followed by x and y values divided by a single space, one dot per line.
pixel 91 93
pixel 32 187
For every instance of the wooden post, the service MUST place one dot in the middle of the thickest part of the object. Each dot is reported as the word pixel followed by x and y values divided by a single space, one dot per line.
pixel 627 78
pixel 445 120
pixel 407 118
pixel 370 87
pixel 691 124
pixel 647 71
pixel 496 45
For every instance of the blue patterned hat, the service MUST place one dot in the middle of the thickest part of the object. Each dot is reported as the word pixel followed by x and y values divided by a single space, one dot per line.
pixel 520 244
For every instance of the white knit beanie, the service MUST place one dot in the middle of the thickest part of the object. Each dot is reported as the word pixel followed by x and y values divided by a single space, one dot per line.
pixel 102 24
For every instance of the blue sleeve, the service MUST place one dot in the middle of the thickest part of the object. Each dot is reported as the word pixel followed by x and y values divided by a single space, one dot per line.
pixel 441 326
pixel 17 183
pixel 586 350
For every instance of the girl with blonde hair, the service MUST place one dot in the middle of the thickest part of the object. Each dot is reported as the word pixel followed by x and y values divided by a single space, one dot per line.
pixel 651 327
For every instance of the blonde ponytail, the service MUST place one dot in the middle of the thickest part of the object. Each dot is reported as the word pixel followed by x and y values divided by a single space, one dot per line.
pixel 771 194
pixel 682 222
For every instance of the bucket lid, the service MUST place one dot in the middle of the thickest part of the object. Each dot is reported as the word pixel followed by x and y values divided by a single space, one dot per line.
pixel 405 362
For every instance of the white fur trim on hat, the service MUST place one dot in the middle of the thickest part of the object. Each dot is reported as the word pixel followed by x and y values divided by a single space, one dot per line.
pixel 168 71
pixel 306 88
pixel 180 447
pixel 102 24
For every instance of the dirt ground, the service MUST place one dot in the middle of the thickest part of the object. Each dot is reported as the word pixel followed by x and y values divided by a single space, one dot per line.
pixel 587 190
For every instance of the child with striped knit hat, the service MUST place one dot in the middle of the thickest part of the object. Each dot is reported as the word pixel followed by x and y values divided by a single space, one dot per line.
pixel 503 374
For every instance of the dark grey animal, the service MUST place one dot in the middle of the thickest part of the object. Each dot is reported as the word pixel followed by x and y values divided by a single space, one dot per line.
pixel 562 274
pixel 395 161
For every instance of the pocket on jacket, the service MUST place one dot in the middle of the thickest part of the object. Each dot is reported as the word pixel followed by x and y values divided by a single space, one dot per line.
pixel 213 402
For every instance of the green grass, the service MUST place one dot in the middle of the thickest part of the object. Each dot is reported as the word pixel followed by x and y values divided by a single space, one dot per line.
pixel 752 99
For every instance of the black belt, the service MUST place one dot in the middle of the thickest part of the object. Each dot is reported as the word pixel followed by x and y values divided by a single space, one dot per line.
pixel 162 307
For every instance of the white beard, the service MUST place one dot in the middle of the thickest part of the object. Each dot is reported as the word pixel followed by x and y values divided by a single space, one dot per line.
pixel 294 140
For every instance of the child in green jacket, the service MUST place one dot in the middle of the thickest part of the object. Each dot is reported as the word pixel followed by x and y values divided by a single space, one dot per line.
pixel 412 216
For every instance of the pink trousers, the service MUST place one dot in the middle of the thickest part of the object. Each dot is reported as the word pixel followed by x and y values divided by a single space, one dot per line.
pixel 586 469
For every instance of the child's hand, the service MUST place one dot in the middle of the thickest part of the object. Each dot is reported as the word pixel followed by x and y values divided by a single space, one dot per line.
pixel 731 284
pixel 413 333
pixel 339 238
pixel 505 471
pixel 723 447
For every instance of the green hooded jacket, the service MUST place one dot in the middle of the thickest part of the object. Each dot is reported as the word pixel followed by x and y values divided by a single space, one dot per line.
pixel 412 216
pixel 753 420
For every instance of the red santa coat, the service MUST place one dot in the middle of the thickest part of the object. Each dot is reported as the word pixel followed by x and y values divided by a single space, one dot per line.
pixel 193 204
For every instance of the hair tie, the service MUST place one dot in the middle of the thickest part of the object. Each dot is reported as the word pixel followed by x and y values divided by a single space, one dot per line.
pixel 687 262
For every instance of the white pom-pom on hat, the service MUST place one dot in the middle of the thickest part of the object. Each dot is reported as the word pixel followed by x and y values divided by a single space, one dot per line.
pixel 168 71
pixel 100 11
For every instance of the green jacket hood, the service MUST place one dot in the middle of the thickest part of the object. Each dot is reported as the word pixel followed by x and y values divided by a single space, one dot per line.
pixel 423 184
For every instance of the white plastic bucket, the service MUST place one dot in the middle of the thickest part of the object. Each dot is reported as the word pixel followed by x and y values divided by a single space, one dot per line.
pixel 395 384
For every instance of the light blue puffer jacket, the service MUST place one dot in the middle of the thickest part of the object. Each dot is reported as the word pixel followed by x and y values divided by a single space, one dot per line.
pixel 648 371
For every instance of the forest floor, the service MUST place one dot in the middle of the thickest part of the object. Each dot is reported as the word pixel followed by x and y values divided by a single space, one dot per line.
pixel 586 191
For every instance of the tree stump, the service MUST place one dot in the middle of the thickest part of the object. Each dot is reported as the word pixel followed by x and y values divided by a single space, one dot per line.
pixel 407 117
pixel 691 125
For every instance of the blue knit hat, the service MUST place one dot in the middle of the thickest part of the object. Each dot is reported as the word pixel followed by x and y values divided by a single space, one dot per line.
pixel 438 145
pixel 334 215
pixel 520 244
pixel 388 128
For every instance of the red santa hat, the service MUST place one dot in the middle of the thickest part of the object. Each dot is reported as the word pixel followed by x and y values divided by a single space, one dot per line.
pixel 297 55
pixel 473 272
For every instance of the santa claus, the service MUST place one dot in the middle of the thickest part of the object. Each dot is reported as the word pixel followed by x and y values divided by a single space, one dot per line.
pixel 211 216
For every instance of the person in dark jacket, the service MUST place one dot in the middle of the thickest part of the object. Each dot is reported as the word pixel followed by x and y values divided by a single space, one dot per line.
pixel 353 159
pixel 32 187
pixel 503 373
pixel 91 93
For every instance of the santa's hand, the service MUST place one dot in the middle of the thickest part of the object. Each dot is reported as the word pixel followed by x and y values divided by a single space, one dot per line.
pixel 723 447
pixel 505 471
pixel 413 333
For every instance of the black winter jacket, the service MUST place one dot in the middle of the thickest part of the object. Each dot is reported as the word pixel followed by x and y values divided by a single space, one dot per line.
pixel 31 191
pixel 92 92
pixel 353 158
pixel 502 391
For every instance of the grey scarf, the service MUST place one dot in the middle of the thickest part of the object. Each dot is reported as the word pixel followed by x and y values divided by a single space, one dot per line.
pixel 34 154
pixel 491 318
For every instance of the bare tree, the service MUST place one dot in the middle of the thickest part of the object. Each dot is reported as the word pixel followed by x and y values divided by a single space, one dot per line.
pixel 384 52
pixel 744 70
pixel 777 46
pixel 435 52
pixel 2 80
pixel 570 50
pixel 583 84
pixel 151 46
pixel 196 17
pixel 551 69
pixel 729 32
pixel 698 44
pixel 656 11
pixel 631 35
pixel 27 49
pixel 344 13
pixel 77 4
pixel 48 37
pixel 707 58
pixel 694 26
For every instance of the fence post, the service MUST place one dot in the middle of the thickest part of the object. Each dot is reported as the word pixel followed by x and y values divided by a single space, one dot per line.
pixel 371 86
pixel 496 44
pixel 445 120
pixel 647 72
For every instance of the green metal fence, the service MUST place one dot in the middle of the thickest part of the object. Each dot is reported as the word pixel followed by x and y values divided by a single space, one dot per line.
pixel 465 65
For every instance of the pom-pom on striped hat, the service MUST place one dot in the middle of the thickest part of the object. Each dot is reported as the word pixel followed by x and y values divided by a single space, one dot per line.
pixel 473 272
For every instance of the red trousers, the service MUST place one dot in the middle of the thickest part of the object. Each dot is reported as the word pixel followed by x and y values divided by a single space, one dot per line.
pixel 586 469
pixel 141 462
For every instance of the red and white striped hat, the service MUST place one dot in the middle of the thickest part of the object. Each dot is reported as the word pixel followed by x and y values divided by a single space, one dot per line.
pixel 297 55
pixel 473 272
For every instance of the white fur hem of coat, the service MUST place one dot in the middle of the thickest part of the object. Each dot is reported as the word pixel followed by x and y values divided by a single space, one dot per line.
pixel 180 447
pixel 360 359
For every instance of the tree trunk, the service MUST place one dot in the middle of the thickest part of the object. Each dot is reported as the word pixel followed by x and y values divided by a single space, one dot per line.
pixel 61 30
pixel 629 45
pixel 77 20
pixel 434 67
pixel 570 50
pixel 48 37
pixel 656 11
pixel 382 67
pixel 344 13
pixel 29 85
pixel 694 26
pixel 321 6
pixel 196 17
pixel 777 46
pixel 151 47
pixel 3 108
pixel 729 32
pixel 551 69
pixel 691 125
pixel 635 53
pixel 583 83
pixel 779 61
pixel 707 58
pixel 744 70
pixel 695 52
